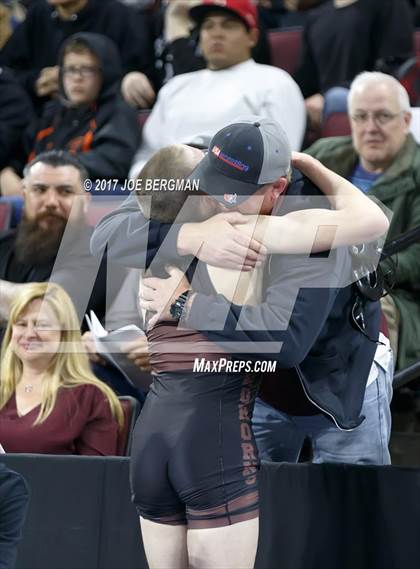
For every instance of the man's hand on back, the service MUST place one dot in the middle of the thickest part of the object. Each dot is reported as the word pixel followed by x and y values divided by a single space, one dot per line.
pixel 157 295
pixel 218 242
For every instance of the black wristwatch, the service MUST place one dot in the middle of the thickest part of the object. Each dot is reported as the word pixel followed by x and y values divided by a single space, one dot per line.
pixel 177 307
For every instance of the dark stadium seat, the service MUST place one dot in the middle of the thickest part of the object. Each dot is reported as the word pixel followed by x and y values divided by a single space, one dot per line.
pixel 142 117
pixel 100 205
pixel 15 203
pixel 417 42
pixel 5 215
pixel 285 48
pixel 131 408
pixel 409 75
pixel 336 124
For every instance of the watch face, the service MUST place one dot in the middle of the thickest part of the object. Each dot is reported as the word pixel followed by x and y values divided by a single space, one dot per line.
pixel 173 310
pixel 177 307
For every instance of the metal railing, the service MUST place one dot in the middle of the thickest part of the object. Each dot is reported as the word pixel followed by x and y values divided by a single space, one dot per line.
pixel 406 375
pixel 402 242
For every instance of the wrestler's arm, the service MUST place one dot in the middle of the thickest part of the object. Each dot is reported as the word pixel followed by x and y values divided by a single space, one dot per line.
pixel 354 219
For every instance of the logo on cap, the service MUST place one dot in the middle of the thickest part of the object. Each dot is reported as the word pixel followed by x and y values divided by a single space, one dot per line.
pixel 230 198
pixel 229 160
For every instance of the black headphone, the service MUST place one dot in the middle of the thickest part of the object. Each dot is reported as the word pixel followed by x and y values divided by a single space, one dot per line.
pixel 367 273
pixel 369 283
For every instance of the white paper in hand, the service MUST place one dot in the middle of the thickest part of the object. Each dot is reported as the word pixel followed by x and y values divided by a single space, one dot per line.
pixel 109 346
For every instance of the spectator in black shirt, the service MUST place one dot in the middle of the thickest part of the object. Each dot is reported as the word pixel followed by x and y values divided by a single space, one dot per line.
pixel 344 37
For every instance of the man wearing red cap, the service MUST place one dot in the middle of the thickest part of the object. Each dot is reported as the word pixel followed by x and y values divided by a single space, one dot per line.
pixel 245 9
pixel 192 107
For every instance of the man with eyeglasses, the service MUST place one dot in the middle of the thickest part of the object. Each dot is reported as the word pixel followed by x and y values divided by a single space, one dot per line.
pixel 383 160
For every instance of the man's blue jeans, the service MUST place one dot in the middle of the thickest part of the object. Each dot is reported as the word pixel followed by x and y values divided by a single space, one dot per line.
pixel 280 436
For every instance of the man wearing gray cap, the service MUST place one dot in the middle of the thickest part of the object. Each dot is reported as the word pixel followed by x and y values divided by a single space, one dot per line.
pixel 324 337
pixel 194 460
pixel 318 328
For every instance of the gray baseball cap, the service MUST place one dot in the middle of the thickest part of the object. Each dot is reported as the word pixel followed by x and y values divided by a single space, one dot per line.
pixel 242 157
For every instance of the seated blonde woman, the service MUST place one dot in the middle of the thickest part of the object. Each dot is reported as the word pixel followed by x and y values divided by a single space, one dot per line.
pixel 50 402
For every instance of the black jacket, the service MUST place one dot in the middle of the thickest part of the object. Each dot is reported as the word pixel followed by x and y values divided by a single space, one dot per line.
pixel 104 135
pixel 14 498
pixel 36 42
pixel 304 321
pixel 15 113
pixel 339 43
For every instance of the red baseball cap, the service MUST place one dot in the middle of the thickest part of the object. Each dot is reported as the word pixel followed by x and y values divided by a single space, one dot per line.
pixel 245 9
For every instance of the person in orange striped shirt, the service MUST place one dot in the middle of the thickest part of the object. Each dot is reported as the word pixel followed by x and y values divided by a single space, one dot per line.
pixel 89 117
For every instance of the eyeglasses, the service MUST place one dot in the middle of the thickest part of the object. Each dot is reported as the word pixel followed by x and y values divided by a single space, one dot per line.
pixel 379 117
pixel 83 71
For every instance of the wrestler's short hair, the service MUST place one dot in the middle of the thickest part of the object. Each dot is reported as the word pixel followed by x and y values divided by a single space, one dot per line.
pixel 169 164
